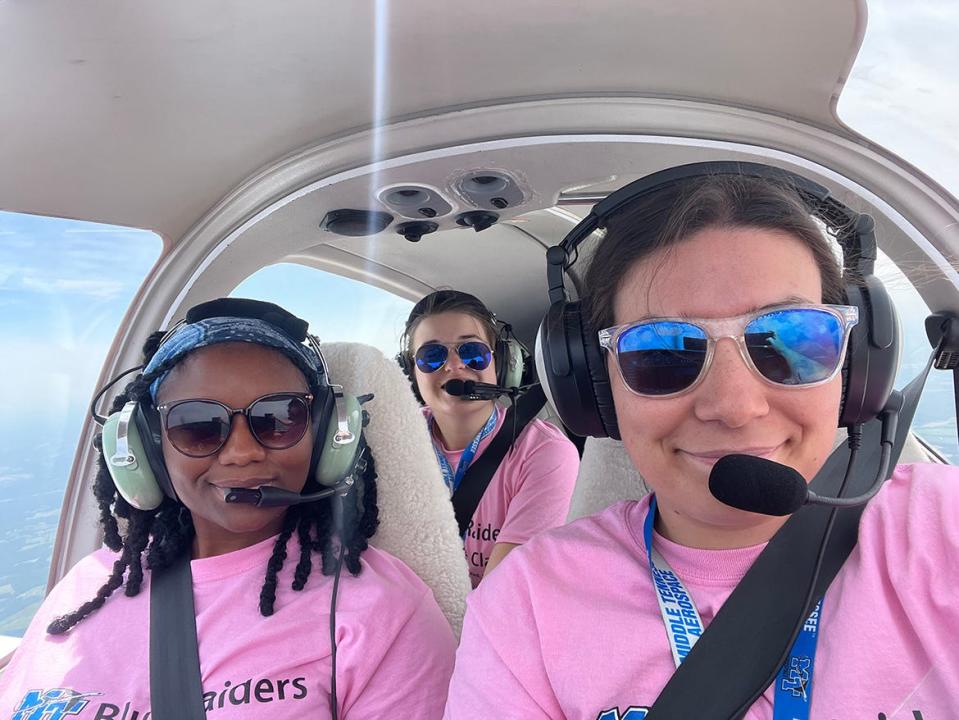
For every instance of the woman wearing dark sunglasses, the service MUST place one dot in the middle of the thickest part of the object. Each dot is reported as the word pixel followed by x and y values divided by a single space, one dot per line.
pixel 452 335
pixel 239 401
pixel 721 315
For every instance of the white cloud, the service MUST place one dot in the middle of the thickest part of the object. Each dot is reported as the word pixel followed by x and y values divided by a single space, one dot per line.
pixel 37 592
pixel 903 91
pixel 48 374
pixel 105 289
pixel 9 272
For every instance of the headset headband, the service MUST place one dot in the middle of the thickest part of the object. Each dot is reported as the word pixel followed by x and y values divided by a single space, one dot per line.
pixel 853 231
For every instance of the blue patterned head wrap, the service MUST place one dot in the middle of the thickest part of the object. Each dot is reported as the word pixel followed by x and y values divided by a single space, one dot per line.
pixel 215 330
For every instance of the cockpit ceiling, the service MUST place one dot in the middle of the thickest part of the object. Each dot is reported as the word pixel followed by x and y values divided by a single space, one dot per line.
pixel 504 263
pixel 149 114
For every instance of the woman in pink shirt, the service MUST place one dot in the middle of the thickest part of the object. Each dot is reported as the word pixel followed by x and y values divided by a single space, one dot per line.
pixel 715 322
pixel 452 335
pixel 260 487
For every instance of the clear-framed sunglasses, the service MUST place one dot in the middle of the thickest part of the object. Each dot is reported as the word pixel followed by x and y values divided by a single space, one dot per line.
pixel 794 346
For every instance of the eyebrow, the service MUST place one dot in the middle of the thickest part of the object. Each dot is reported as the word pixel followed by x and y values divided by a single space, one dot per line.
pixel 789 300
pixel 460 338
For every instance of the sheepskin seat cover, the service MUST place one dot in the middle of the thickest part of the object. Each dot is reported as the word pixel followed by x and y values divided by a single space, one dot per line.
pixel 417 524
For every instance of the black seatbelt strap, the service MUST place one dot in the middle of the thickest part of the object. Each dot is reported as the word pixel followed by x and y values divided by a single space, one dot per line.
pixel 480 473
pixel 740 653
pixel 175 689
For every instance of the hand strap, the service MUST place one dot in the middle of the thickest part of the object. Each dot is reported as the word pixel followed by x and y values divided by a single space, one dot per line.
pixel 176 692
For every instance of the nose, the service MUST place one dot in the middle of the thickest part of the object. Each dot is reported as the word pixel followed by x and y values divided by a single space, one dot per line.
pixel 241 447
pixel 453 360
pixel 731 393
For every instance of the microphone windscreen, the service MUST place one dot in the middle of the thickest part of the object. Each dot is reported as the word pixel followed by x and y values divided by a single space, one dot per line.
pixel 455 387
pixel 757 485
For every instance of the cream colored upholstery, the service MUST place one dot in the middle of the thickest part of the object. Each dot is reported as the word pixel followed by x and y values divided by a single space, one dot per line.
pixel 417 523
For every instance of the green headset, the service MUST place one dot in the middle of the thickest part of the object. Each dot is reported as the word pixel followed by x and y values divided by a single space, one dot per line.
pixel 131 438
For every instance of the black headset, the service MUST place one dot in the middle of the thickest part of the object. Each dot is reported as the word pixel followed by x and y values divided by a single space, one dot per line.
pixel 572 366
pixel 509 355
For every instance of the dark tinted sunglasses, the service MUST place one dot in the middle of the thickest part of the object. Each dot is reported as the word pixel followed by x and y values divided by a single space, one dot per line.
pixel 199 428
pixel 475 355
pixel 796 346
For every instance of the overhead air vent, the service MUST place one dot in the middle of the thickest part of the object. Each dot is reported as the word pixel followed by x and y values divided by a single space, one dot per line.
pixel 477 219
pixel 416 229
pixel 414 201
pixel 490 190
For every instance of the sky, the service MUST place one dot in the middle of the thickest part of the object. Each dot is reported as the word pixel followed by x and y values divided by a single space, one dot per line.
pixel 903 91
pixel 65 285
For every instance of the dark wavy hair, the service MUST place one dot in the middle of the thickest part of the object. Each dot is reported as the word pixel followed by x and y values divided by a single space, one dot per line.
pixel 678 211
pixel 445 301
pixel 163 534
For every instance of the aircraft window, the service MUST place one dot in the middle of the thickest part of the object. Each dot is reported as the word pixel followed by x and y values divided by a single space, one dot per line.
pixel 935 420
pixel 337 308
pixel 63 293
pixel 902 89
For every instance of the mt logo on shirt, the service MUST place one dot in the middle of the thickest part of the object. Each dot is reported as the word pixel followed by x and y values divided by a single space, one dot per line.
pixel 51 704
pixel 631 713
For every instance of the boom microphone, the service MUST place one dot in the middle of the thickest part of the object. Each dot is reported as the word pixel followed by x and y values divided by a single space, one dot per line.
pixel 269 496
pixel 472 390
pixel 762 486
pixel 759 485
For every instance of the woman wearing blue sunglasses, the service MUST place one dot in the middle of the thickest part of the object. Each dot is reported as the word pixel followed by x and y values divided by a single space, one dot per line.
pixel 721 317
pixel 452 335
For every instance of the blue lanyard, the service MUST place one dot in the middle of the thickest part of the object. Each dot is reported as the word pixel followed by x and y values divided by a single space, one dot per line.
pixel 452 479
pixel 793 691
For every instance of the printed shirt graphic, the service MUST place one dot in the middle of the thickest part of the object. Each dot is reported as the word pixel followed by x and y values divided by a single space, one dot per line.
pixel 394 647
pixel 529 492
pixel 570 627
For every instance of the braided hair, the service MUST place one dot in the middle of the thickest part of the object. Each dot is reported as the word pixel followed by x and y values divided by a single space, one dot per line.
pixel 165 533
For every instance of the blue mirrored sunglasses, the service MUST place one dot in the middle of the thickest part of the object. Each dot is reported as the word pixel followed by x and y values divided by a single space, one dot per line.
pixel 793 346
pixel 475 355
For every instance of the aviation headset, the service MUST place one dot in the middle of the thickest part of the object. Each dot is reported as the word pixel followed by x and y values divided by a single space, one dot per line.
pixel 131 438
pixel 572 366
pixel 508 353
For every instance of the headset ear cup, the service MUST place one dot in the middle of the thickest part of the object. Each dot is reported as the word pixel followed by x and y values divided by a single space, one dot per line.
pixel 509 363
pixel 573 373
pixel 337 452
pixel 599 378
pixel 406 365
pixel 872 357
pixel 130 469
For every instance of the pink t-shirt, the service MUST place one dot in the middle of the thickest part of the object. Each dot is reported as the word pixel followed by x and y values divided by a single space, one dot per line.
pixel 394 647
pixel 529 492
pixel 569 626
